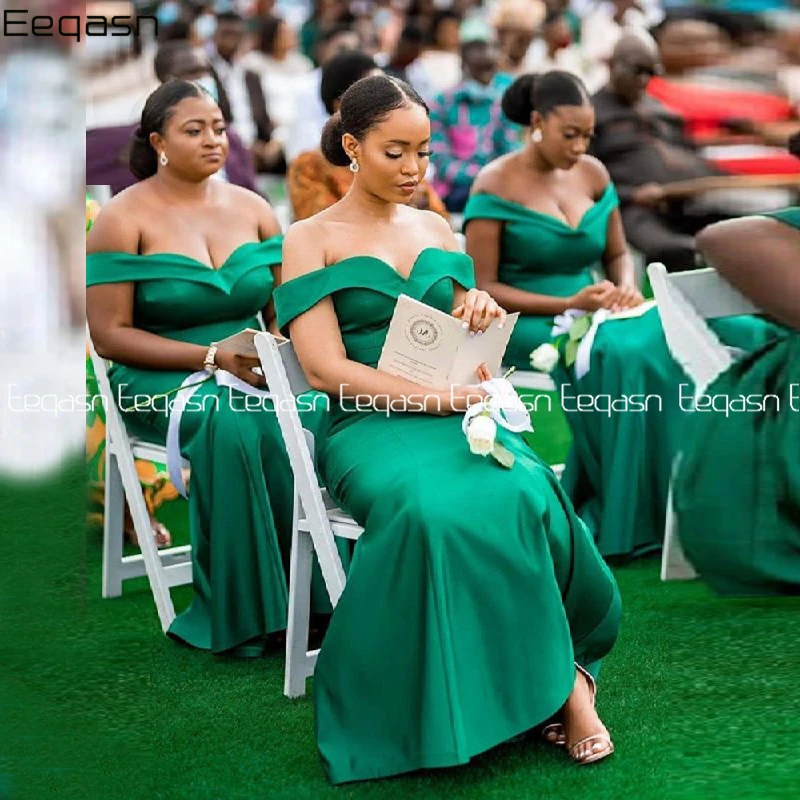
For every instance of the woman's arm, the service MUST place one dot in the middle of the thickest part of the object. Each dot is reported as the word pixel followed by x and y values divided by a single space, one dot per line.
pixel 618 265
pixel 317 340
pixel 268 226
pixel 761 258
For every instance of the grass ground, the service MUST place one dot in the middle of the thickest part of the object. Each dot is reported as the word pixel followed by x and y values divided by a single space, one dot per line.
pixel 700 692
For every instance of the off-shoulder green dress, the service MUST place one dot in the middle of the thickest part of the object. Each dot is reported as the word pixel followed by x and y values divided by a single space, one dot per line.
pixel 473 590
pixel 737 492
pixel 240 494
pixel 619 469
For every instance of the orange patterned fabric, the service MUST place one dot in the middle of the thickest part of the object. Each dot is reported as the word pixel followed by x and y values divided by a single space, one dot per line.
pixel 314 184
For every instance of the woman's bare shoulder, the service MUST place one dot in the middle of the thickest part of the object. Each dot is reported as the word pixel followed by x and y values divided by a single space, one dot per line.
pixel 117 227
pixel 493 178
pixel 304 247
pixel 595 174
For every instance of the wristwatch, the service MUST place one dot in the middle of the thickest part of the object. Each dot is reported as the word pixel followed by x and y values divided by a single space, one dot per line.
pixel 210 362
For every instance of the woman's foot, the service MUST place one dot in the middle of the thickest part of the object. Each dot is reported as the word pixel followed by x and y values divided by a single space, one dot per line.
pixel 587 739
pixel 160 532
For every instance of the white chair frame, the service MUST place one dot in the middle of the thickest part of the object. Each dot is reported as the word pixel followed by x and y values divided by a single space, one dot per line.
pixel 317 519
pixel 685 300
pixel 163 568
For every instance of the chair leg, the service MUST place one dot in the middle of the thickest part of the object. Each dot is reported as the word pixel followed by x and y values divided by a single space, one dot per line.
pixel 300 567
pixel 113 527
pixel 147 544
pixel 674 564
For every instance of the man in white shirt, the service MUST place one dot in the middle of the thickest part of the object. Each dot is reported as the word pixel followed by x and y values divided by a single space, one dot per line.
pixel 312 116
pixel 248 105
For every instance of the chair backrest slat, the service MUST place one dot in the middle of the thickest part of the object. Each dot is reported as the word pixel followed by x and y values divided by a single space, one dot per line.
pixel 286 381
pixel 685 301
pixel 710 294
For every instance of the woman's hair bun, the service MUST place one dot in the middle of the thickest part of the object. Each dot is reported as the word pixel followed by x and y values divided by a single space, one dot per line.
pixel 543 93
pixel 517 101
pixel 331 141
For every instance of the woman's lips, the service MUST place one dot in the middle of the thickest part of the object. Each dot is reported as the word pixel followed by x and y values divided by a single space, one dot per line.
pixel 409 188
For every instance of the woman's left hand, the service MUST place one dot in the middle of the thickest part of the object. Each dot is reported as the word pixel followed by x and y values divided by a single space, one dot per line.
pixel 478 310
pixel 627 297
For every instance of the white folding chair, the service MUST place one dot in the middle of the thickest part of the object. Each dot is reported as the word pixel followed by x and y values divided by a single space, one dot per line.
pixel 685 300
pixel 317 519
pixel 164 568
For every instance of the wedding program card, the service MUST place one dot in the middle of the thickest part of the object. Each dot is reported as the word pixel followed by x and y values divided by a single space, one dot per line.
pixel 430 347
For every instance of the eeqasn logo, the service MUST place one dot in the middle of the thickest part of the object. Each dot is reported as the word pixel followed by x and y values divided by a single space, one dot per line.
pixel 19 22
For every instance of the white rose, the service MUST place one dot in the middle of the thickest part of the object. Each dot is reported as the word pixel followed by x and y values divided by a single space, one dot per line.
pixel 481 434
pixel 544 358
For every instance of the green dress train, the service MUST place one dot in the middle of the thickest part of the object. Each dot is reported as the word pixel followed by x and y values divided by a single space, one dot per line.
pixel 737 491
pixel 473 590
pixel 619 469
pixel 240 494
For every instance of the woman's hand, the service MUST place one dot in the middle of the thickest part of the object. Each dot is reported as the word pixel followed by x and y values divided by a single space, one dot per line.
pixel 594 297
pixel 241 367
pixel 478 310
pixel 627 297
pixel 462 397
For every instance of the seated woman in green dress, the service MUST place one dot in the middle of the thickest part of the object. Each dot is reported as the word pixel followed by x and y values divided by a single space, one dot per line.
pixel 537 224
pixel 176 262
pixel 737 492
pixel 476 605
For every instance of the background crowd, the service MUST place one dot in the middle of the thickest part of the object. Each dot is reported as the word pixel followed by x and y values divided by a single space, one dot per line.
pixel 714 98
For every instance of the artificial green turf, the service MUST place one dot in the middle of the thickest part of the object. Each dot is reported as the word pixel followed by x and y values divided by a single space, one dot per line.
pixel 700 693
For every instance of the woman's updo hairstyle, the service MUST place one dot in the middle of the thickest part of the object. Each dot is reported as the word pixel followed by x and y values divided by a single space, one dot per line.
pixel 364 105
pixel 143 159
pixel 794 145
pixel 543 93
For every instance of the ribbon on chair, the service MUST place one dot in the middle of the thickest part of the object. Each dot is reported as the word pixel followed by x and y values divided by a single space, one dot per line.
pixel 189 386
pixel 503 405
pixel 562 325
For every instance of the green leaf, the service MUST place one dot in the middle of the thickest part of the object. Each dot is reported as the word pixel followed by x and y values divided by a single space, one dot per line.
pixel 570 352
pixel 503 456
pixel 580 328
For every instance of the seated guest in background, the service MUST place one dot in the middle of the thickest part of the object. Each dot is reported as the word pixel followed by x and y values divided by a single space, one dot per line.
pixel 643 146
pixel 315 184
pixel 281 69
pixel 556 50
pixel 741 527
pixel 312 116
pixel 605 22
pixel 245 93
pixel 404 62
pixel 516 22
pixel 468 129
pixel 107 148
pixel 442 60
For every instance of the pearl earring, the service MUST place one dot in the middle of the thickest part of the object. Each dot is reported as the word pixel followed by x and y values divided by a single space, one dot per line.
pixel 354 166
pixel 536 136
pixel 163 160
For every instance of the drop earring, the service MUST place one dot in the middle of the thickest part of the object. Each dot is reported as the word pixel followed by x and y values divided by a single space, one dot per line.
pixel 536 136
pixel 163 160
pixel 354 166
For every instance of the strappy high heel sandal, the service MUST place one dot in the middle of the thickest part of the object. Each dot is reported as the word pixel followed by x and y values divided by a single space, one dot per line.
pixel 554 734
pixel 593 748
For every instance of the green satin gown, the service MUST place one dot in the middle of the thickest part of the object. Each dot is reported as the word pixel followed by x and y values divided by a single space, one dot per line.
pixel 240 493
pixel 737 492
pixel 473 590
pixel 619 469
